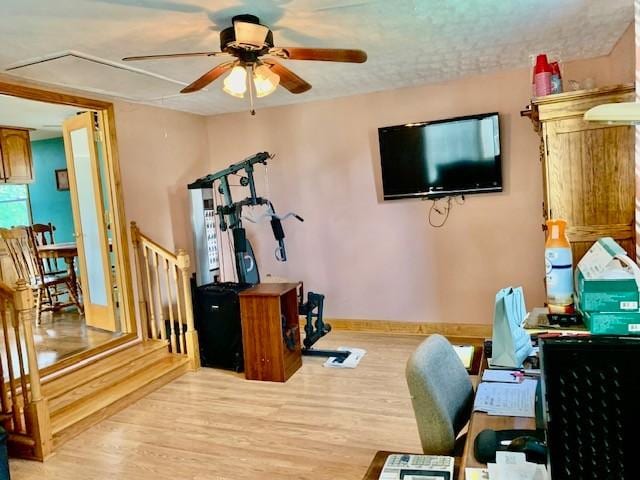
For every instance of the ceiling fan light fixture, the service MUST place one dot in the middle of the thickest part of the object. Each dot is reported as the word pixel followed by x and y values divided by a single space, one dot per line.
pixel 265 81
pixel 250 34
pixel 235 84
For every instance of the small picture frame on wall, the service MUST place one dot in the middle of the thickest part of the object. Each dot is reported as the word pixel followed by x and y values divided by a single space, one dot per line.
pixel 62 179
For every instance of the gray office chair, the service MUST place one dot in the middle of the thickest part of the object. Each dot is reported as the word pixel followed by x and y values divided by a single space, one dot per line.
pixel 441 393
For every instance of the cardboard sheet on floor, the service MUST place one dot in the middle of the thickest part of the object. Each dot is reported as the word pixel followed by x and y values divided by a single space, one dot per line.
pixel 351 361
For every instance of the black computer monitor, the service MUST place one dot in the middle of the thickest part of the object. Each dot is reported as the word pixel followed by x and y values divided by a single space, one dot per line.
pixel 591 389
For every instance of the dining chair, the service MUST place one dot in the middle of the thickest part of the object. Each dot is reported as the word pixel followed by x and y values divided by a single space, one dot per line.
pixel 23 251
pixel 43 235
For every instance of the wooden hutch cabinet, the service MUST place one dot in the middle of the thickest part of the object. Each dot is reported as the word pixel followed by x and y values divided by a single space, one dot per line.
pixel 587 168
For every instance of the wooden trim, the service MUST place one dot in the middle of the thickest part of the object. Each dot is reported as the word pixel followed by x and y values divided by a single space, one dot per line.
pixel 575 108
pixel 123 265
pixel 454 330
pixel 31 93
pixel 11 127
pixel 574 104
pixel 580 94
pixel 106 113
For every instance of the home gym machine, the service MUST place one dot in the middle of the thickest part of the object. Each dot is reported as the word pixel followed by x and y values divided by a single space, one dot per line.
pixel 229 216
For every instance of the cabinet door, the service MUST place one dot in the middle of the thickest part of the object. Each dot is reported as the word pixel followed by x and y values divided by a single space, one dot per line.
pixel 16 155
pixel 590 182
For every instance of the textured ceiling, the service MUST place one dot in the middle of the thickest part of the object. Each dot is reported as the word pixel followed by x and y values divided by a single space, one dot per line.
pixel 409 42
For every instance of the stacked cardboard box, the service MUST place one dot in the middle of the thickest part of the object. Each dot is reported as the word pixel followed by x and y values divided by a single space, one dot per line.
pixel 607 290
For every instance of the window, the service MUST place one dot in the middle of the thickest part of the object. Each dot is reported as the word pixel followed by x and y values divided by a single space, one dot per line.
pixel 14 206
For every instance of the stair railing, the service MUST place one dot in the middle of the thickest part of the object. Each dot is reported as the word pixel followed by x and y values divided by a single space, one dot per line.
pixel 24 412
pixel 164 296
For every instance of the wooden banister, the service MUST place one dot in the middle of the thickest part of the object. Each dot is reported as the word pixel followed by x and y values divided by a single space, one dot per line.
pixel 36 410
pixel 25 413
pixel 191 336
pixel 163 277
pixel 142 304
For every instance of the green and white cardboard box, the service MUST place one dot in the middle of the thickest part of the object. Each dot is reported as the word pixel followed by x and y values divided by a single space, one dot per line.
pixel 607 293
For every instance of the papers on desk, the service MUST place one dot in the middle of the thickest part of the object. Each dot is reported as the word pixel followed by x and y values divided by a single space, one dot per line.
pixel 508 466
pixel 465 353
pixel 476 474
pixel 514 466
pixel 503 376
pixel 507 399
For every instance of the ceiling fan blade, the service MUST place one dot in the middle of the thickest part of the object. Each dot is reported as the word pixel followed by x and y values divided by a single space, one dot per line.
pixel 321 54
pixel 174 55
pixel 288 79
pixel 208 77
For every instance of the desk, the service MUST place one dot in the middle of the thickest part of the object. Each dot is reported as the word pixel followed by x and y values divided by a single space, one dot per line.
pixel 481 421
pixel 375 468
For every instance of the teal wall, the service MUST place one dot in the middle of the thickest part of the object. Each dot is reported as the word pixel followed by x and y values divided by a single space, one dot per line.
pixel 48 204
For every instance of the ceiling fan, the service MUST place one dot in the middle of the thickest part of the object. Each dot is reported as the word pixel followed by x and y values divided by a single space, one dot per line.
pixel 253 52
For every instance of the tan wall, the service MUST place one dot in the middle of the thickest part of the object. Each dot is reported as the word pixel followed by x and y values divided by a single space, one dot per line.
pixel 617 67
pixel 381 260
pixel 161 151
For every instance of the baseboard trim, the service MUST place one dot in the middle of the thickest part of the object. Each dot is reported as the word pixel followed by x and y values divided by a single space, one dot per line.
pixel 455 330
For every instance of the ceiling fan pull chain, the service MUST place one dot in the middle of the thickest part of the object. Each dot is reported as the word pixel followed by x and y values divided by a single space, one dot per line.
pixel 266 180
pixel 250 80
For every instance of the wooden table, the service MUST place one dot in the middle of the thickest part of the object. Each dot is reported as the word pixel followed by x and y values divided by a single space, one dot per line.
pixel 375 468
pixel 68 251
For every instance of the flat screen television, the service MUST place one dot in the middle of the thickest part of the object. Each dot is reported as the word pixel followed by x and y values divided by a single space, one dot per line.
pixel 441 158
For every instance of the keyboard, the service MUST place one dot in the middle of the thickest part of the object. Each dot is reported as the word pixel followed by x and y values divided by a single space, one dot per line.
pixel 417 467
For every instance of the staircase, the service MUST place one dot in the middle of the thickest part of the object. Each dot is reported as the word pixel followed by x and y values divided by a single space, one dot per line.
pixel 93 392
pixel 41 413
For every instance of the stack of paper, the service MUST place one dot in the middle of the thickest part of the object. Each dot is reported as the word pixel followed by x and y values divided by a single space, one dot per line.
pixel 514 466
pixel 507 399
pixel 465 353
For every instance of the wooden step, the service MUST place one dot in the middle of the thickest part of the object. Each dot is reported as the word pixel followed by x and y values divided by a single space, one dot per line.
pixel 158 373
pixel 102 382
pixel 95 391
pixel 52 388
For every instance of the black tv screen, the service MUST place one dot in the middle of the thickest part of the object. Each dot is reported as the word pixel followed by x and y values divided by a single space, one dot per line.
pixel 441 158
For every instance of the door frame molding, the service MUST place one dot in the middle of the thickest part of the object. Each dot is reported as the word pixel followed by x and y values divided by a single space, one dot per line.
pixel 112 161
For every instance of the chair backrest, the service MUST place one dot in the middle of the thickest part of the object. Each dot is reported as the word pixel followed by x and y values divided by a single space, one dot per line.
pixel 43 235
pixel 41 231
pixel 441 394
pixel 23 253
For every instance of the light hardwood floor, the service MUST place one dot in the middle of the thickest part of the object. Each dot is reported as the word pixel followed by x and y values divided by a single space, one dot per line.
pixel 322 424
pixel 62 334
pixel 59 336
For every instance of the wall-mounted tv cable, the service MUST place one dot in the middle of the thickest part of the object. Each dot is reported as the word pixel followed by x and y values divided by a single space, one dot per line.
pixel 442 207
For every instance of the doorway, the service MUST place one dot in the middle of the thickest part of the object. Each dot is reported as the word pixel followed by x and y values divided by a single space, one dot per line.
pixel 91 247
